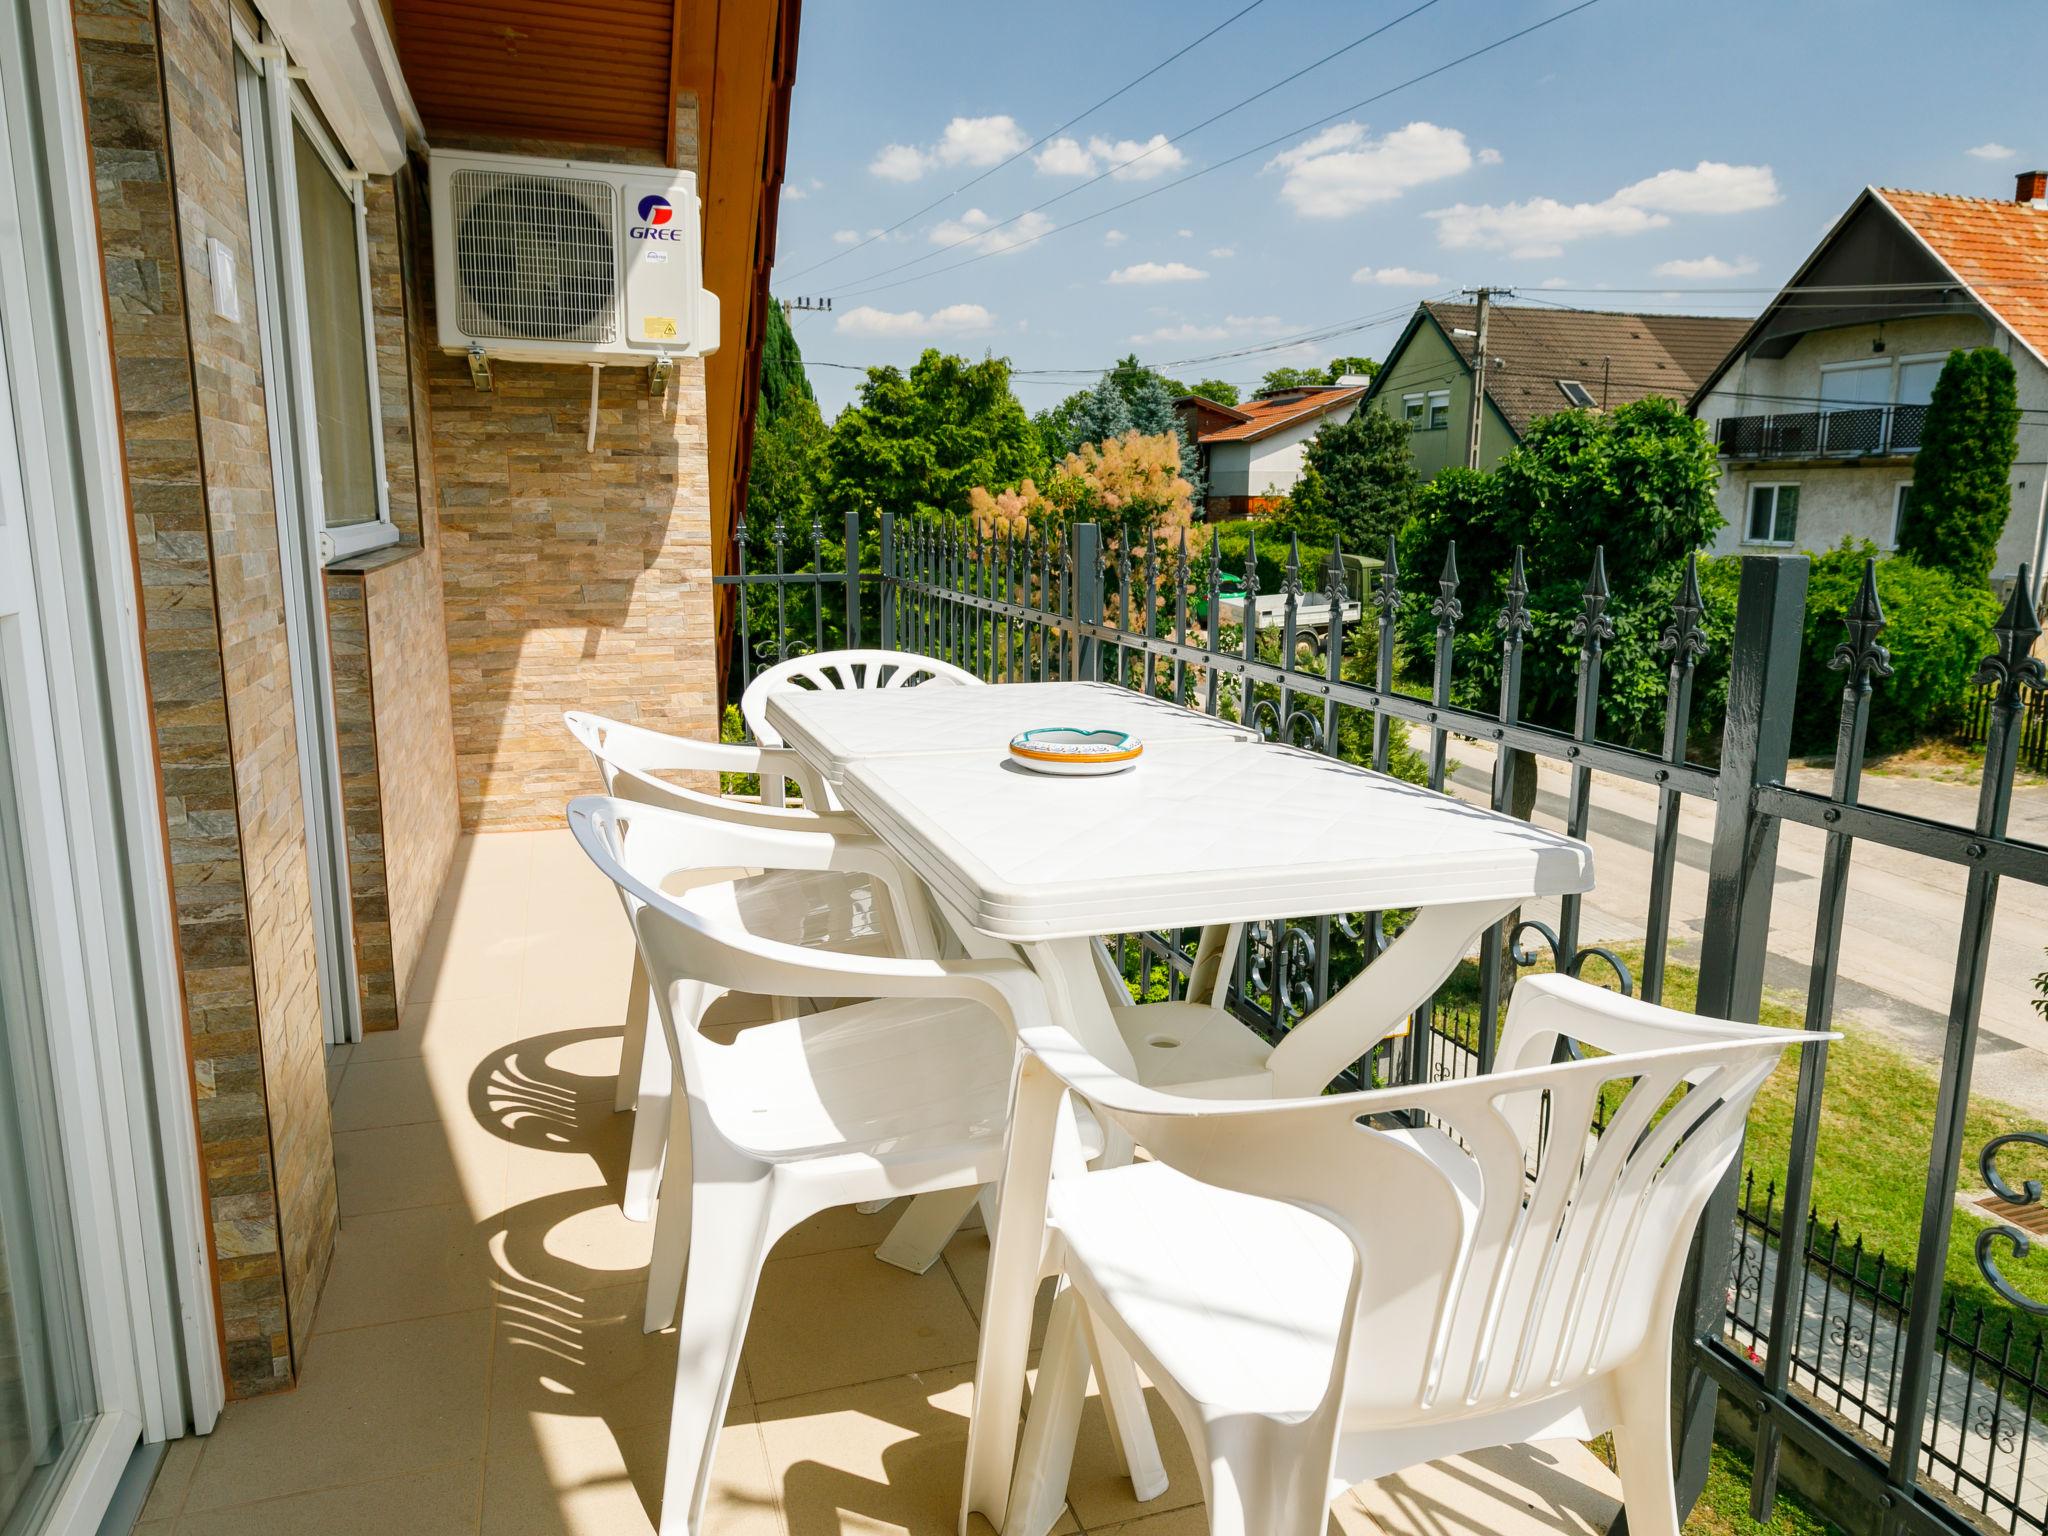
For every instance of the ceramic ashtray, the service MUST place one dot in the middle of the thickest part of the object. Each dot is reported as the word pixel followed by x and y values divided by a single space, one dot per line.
pixel 1069 750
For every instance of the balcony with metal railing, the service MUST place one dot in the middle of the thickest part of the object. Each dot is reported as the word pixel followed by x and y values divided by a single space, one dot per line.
pixel 1823 432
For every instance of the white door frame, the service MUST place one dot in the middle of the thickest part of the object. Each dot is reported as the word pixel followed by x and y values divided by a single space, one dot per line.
pixel 125 1089
pixel 279 277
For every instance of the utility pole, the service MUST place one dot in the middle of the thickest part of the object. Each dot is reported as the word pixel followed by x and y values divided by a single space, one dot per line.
pixel 1484 298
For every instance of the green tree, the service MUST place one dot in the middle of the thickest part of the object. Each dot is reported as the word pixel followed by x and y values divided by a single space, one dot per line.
pixel 1962 491
pixel 1638 483
pixel 1291 378
pixel 1340 366
pixel 1103 413
pixel 916 443
pixel 1357 482
pixel 783 381
pixel 1220 390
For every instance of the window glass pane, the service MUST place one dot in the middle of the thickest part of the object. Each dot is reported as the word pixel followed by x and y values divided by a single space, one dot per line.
pixel 1411 405
pixel 1788 514
pixel 44 1382
pixel 1901 499
pixel 334 323
pixel 1849 388
pixel 1916 381
pixel 1439 410
pixel 1759 513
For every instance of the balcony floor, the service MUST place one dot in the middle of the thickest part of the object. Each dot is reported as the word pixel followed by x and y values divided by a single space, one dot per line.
pixel 477 1365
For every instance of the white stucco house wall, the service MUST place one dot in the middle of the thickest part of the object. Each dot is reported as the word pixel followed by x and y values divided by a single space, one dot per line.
pixel 1817 412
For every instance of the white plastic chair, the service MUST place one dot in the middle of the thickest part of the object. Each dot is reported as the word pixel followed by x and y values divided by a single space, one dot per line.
pixel 900 1095
pixel 795 907
pixel 1325 1297
pixel 844 669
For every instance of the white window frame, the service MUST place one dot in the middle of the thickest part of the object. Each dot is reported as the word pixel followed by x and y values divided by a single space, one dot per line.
pixel 1415 411
pixel 1439 401
pixel 288 102
pixel 1900 490
pixel 1749 513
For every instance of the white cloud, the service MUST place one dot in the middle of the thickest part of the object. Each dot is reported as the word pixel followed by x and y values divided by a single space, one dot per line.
pixel 1343 169
pixel 1555 282
pixel 1064 156
pixel 953 320
pixel 1706 266
pixel 974 229
pixel 1125 159
pixel 1158 272
pixel 1222 252
pixel 1541 226
pixel 975 141
pixel 846 237
pixel 792 193
pixel 1709 187
pixel 1992 151
pixel 1396 277
pixel 1185 234
pixel 1231 327
pixel 1489 157
pixel 1114 237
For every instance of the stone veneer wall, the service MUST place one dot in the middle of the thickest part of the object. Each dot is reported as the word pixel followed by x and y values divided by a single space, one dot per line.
pixel 388 649
pixel 570 579
pixel 161 122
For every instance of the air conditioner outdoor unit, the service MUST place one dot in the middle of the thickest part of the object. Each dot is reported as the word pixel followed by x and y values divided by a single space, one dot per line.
pixel 562 261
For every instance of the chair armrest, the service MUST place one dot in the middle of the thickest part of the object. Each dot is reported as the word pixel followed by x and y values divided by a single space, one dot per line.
pixel 1546 1009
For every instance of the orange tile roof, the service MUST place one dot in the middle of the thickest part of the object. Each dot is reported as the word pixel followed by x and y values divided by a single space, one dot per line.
pixel 2000 249
pixel 1267 416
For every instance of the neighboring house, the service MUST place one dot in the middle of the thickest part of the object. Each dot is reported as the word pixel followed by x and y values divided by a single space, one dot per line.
pixel 1253 451
pixel 1817 412
pixel 1540 361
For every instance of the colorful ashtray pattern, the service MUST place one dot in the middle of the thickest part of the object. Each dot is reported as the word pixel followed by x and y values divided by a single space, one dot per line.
pixel 1071 751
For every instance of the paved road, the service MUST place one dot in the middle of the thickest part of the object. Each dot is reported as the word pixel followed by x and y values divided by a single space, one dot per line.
pixel 1901 925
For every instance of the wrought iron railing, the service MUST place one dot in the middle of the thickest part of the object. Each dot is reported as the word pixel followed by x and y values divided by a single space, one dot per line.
pixel 1823 432
pixel 1032 607
pixel 2033 726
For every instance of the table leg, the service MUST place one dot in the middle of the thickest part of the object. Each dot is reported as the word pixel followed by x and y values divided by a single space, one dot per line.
pixel 922 1231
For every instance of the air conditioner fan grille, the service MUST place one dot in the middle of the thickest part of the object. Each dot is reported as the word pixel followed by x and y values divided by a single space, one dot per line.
pixel 536 257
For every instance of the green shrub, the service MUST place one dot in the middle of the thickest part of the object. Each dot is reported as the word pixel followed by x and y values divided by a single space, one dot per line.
pixel 1962 493
pixel 1233 538
pixel 1938 629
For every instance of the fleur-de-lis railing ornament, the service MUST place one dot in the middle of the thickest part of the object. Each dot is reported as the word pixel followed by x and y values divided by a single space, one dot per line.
pixel 1333 578
pixel 1686 635
pixel 1388 598
pixel 1290 578
pixel 1447 609
pixel 2013 667
pixel 1862 655
pixel 1592 628
pixel 779 536
pixel 1251 575
pixel 1513 620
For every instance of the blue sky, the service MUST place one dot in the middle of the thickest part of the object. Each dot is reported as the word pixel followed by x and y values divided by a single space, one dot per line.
pixel 1638 144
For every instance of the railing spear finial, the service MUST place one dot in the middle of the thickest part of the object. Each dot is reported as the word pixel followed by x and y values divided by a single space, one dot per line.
pixel 1592 627
pixel 2013 666
pixel 1861 655
pixel 1513 620
pixel 1686 636
pixel 1447 609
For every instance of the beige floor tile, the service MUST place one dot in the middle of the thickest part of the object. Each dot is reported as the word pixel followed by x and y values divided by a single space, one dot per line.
pixel 154 1528
pixel 555 1145
pixel 371 1403
pixel 828 1320
pixel 388 1044
pixel 1100 1495
pixel 967 1257
pixel 566 1356
pixel 1558 1488
pixel 173 1477
pixel 568 1243
pixel 884 1456
pixel 841 1227
pixel 380 1093
pixel 580 1477
pixel 400 1167
pixel 437 1501
pixel 490 965
pixel 391 1266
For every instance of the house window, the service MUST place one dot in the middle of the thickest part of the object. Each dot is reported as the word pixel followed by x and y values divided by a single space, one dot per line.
pixel 313 275
pixel 1580 396
pixel 1439 409
pixel 1773 514
pixel 1902 496
pixel 1413 408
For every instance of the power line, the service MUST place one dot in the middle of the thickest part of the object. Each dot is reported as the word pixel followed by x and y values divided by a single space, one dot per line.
pixel 1043 139
pixel 1181 181
pixel 1216 117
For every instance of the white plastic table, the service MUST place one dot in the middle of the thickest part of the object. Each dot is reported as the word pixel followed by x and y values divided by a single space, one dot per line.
pixel 835 728
pixel 1194 835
